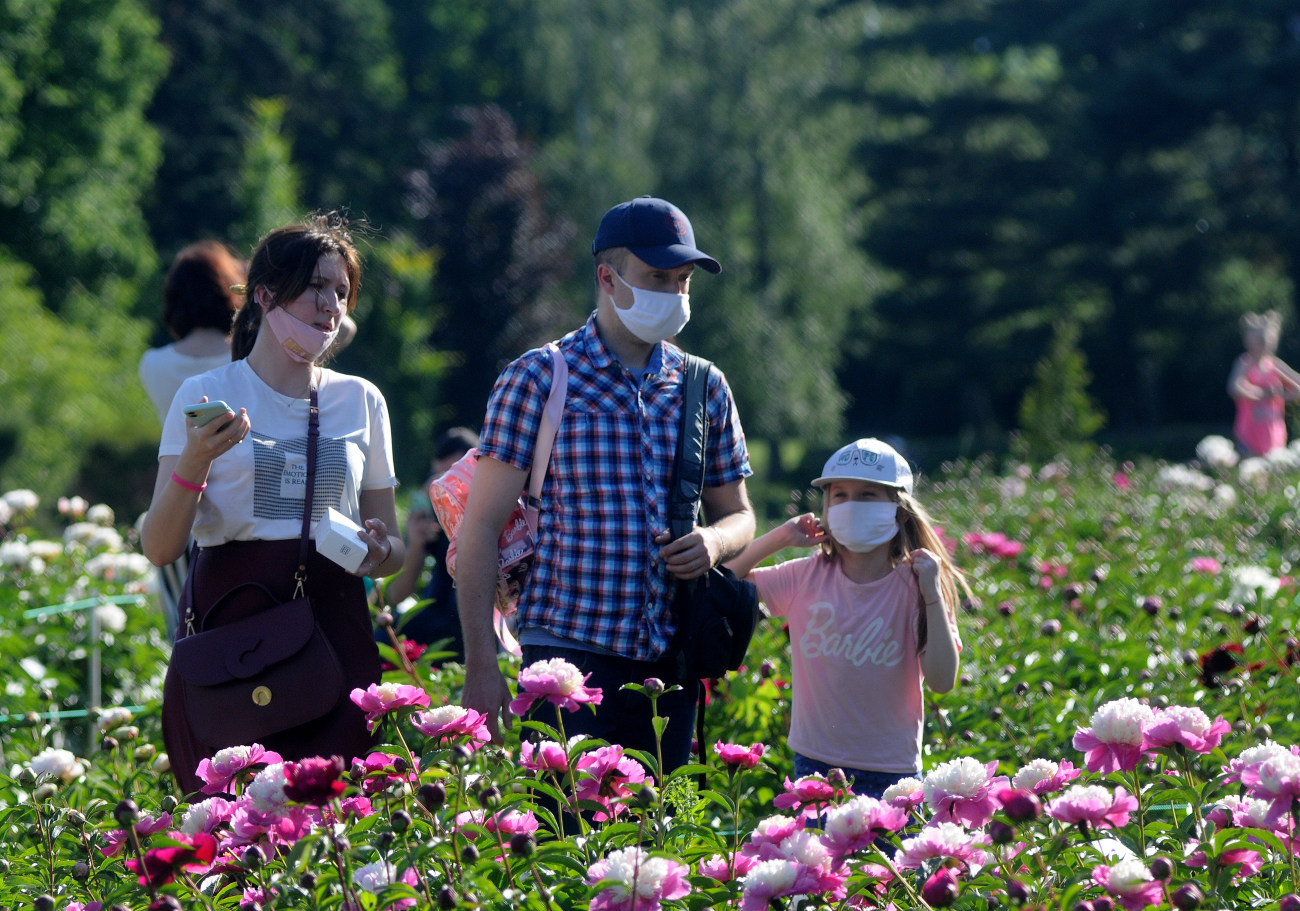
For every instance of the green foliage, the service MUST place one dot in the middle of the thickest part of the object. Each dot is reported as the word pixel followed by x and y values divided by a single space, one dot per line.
pixel 1057 416
pixel 267 191
pixel 66 381
pixel 76 154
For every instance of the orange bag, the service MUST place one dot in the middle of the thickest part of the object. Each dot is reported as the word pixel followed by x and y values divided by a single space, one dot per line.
pixel 450 492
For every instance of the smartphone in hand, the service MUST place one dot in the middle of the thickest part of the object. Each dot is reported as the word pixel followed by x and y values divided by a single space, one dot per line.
pixel 204 412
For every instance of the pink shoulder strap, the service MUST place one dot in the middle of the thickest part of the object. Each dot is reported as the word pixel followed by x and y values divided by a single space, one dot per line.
pixel 550 424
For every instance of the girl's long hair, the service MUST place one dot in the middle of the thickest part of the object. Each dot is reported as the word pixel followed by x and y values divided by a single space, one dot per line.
pixel 916 530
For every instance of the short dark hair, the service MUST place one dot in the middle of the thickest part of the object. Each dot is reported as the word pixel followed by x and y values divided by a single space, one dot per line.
pixel 285 262
pixel 197 291
pixel 454 441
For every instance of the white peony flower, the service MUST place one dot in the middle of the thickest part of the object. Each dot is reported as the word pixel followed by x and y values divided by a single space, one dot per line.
pixel 771 876
pixel 112 619
pixel 444 714
pixel 1253 471
pixel 1217 452
pixel 1121 721
pixel 267 789
pixel 22 500
pixel 374 877
pixel 1180 477
pixel 101 514
pixel 46 550
pixel 114 717
pixel 1034 772
pixel 961 777
pixel 1253 583
pixel 60 764
pixel 1129 873
pixel 904 787
pixel 198 816
pixel 15 554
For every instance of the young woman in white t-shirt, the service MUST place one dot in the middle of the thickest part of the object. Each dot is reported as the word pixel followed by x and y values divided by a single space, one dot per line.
pixel 870 618
pixel 238 482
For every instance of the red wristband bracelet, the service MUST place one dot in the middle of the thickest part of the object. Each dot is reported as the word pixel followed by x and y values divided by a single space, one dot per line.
pixel 188 485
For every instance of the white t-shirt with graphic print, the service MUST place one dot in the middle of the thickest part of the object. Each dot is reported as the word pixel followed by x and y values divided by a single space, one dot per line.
pixel 856 675
pixel 255 491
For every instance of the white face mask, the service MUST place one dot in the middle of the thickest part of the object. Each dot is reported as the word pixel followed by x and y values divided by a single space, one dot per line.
pixel 654 315
pixel 862 525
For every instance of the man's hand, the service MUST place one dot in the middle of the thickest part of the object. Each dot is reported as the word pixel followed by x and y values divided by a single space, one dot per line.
pixel 486 691
pixel 693 554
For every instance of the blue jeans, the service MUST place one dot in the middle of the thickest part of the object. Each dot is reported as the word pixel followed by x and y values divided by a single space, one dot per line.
pixel 865 783
pixel 623 716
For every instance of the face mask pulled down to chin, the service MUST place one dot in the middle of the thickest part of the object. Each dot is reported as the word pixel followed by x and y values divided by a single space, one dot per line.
pixel 301 341
pixel 654 315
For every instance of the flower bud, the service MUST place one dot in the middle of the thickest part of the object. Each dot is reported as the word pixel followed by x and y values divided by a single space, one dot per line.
pixel 654 686
pixel 126 812
pixel 523 845
pixel 490 796
pixel 168 803
pixel 1152 604
pixel 1020 805
pixel 108 744
pixel 384 619
pixel 1050 627
pixel 45 792
pixel 400 821
pixel 162 764
pixel 836 778
pixel 81 871
pixel 307 880
pixel 1161 868
pixel 1187 897
pixel 165 903
pixel 43 903
pixel 1006 608
pixel 145 752
pixel 1103 903
pixel 252 858
pixel 432 795
pixel 1289 902
pixel 941 889
pixel 1017 892
pixel 469 854
pixel 1001 833
pixel 447 898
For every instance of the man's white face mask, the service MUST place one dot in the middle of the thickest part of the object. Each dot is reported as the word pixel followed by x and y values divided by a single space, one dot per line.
pixel 654 315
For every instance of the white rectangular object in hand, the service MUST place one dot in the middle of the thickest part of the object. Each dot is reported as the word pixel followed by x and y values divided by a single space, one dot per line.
pixel 336 538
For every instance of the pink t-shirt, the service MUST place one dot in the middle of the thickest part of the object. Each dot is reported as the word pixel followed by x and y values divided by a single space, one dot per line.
pixel 856 673
pixel 1261 424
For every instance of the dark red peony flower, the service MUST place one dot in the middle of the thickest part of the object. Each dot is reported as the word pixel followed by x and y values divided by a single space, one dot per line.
pixel 316 780
pixel 191 853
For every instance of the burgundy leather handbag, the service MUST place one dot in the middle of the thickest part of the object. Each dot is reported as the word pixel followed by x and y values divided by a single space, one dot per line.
pixel 264 673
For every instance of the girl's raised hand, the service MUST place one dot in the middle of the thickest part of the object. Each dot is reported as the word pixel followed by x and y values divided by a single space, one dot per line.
pixel 804 531
pixel 925 565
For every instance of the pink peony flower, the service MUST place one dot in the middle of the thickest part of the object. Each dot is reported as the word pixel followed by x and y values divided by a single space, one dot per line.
pixel 1114 742
pixel 737 756
pixel 378 699
pixel 906 794
pixel 808 792
pixel 544 756
pixel 780 877
pixel 1050 573
pixel 558 682
pixel 316 780
pixel 1190 728
pixel 454 723
pixel 1248 862
pixel 1207 565
pixel 607 777
pixel 206 816
pixel 854 825
pixel 378 772
pixel 959 791
pixel 376 877
pixel 1043 776
pixel 1093 805
pixel 190 853
pixel 993 543
pixel 943 839
pixel 1130 883
pixel 511 822
pixel 1276 780
pixel 1252 758
pixel 724 871
pixel 764 842
pixel 220 771
pixel 634 880
pixel 941 889
pixel 144 827
pixel 1121 480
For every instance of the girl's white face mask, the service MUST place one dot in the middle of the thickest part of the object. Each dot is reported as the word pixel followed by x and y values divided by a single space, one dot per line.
pixel 862 525
pixel 304 343
pixel 654 315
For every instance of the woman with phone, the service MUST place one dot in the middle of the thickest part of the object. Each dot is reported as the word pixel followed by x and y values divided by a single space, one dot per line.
pixel 240 485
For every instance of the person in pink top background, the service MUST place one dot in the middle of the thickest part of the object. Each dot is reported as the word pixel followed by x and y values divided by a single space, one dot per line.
pixel 1261 385
pixel 871 618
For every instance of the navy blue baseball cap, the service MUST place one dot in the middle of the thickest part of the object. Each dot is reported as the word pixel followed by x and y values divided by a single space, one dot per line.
pixel 656 231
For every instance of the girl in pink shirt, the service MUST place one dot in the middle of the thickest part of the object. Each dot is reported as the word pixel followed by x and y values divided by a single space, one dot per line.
pixel 1261 385
pixel 870 617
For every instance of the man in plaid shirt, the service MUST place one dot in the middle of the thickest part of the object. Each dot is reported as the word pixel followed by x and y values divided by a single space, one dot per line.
pixel 601 587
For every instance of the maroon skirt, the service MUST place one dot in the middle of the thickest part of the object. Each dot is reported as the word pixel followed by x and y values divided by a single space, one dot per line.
pixel 343 616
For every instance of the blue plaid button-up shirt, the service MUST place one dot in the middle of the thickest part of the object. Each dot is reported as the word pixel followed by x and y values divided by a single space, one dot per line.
pixel 597 577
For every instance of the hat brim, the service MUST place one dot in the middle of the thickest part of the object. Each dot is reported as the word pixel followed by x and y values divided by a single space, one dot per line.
pixel 823 481
pixel 674 255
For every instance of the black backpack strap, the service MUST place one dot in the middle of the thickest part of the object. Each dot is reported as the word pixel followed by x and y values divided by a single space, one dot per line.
pixel 692 440
pixel 688 485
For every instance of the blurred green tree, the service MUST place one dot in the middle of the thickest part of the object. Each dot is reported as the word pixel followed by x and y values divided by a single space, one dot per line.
pixel 1058 418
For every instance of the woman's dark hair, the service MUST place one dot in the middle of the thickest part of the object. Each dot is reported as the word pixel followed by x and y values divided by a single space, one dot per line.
pixel 285 263
pixel 197 291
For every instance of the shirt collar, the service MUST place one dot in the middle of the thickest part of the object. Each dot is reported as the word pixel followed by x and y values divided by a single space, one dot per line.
pixel 665 359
